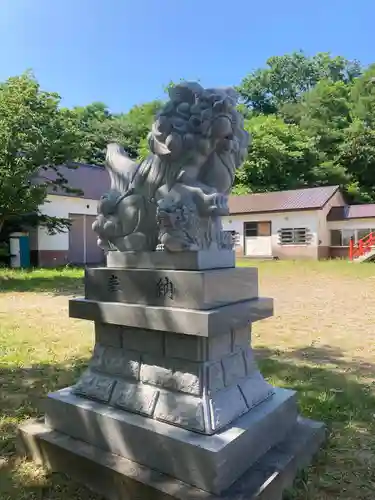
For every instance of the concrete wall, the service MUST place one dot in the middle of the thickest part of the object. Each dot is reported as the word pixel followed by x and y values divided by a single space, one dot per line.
pixel 366 223
pixel 339 252
pixel 323 230
pixel 280 220
pixel 53 249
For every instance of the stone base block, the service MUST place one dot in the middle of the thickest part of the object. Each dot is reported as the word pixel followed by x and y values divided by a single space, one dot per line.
pixel 212 463
pixel 186 289
pixel 173 345
pixel 204 323
pixel 189 261
pixel 115 477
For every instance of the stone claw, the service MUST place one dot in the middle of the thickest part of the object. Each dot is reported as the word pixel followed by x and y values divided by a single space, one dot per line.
pixel 217 204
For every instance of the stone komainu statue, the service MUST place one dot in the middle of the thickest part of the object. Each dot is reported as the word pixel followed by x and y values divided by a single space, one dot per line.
pixel 178 193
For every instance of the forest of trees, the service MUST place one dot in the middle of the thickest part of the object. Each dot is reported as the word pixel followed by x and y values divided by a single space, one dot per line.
pixel 312 120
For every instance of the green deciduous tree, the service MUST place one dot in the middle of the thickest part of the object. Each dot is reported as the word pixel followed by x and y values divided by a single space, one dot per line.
pixel 289 76
pixel 34 135
pixel 282 156
pixel 99 127
pixel 357 157
pixel 89 121
pixel 138 123
pixel 363 97
pixel 321 95
pixel 325 115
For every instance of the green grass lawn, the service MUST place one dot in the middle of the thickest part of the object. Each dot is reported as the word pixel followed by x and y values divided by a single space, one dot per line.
pixel 320 342
pixel 67 280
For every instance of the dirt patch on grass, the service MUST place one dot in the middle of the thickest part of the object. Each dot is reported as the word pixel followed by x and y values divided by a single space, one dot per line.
pixel 322 317
pixel 321 342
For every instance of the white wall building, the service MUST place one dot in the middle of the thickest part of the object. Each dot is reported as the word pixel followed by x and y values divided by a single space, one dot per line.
pixel 76 245
pixel 309 223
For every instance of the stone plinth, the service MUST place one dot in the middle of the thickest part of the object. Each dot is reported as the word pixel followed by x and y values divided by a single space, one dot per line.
pixel 116 477
pixel 185 289
pixel 191 261
pixel 202 323
pixel 172 385
pixel 173 450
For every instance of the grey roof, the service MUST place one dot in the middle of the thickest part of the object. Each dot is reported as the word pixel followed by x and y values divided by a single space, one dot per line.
pixel 92 180
pixel 280 201
pixel 352 212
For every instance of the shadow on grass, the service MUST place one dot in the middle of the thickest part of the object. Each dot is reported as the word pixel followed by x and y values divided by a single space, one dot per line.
pixel 21 397
pixel 23 390
pixel 56 282
pixel 346 467
pixel 345 405
pixel 320 355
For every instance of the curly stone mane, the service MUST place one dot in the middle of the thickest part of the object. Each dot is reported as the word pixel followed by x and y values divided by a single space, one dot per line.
pixel 194 123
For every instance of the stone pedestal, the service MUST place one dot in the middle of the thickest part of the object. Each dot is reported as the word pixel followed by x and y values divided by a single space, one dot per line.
pixel 172 385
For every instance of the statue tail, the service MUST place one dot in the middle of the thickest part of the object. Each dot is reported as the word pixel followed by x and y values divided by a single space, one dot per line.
pixel 120 167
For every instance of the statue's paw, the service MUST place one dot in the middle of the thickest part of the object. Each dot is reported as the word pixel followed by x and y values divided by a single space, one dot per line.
pixel 109 227
pixel 135 242
pixel 173 244
pixel 104 245
pixel 178 245
pixel 218 211
pixel 217 204
pixel 193 247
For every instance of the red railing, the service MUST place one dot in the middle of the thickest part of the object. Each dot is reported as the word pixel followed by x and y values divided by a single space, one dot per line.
pixel 363 246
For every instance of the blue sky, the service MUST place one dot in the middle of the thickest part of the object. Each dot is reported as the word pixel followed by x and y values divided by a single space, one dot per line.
pixel 123 52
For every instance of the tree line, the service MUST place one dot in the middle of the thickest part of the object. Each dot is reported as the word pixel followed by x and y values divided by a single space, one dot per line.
pixel 311 118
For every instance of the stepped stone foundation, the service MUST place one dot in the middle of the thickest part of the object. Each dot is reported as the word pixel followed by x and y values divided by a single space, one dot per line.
pixel 172 404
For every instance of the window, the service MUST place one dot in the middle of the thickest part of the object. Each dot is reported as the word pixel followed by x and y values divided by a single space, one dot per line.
pixel 294 236
pixel 336 240
pixel 342 237
pixel 362 233
pixel 264 228
pixel 250 229
pixel 346 236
